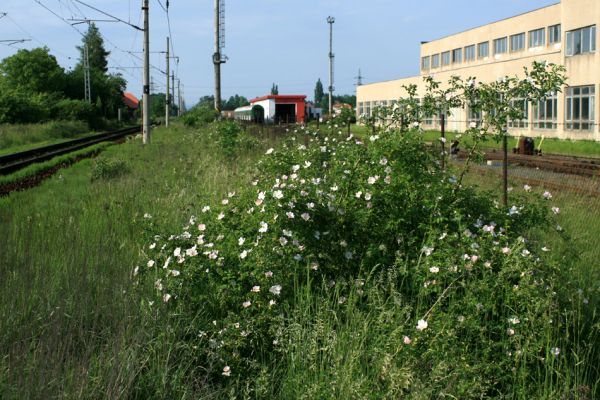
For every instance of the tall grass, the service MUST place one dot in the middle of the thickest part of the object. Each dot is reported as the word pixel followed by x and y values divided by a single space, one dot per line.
pixel 71 324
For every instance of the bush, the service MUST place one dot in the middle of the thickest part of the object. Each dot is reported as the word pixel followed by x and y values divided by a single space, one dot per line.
pixel 109 168
pixel 231 138
pixel 198 116
pixel 63 129
pixel 19 107
pixel 75 110
pixel 471 308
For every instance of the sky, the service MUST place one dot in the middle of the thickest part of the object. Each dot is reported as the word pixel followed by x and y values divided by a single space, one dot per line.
pixel 285 42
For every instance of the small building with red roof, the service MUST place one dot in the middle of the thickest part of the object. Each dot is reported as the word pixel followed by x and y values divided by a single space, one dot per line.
pixel 131 101
pixel 278 109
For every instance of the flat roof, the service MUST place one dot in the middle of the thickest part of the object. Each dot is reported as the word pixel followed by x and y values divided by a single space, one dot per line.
pixel 493 22
pixel 282 97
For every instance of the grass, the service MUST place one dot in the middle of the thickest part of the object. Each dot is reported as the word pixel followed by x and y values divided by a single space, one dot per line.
pixel 70 324
pixel 21 137
pixel 582 148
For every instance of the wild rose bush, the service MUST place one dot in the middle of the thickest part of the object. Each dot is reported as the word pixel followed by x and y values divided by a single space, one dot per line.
pixel 340 211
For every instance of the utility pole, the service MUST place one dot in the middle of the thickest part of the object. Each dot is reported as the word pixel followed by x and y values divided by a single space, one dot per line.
pixel 178 98
pixel 172 87
pixel 86 74
pixel 218 58
pixel 168 94
pixel 359 78
pixel 146 97
pixel 330 21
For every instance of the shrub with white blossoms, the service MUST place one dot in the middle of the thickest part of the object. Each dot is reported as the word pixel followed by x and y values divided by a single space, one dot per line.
pixel 337 211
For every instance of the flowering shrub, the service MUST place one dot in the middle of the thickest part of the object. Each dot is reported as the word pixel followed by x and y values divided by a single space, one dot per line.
pixel 341 211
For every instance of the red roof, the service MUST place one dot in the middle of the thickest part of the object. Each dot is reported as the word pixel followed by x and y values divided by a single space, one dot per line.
pixel 280 97
pixel 131 101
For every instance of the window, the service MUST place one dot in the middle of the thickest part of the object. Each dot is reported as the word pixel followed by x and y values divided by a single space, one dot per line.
pixel 456 56
pixel 517 42
pixel 425 62
pixel 580 103
pixel 446 58
pixel 483 49
pixel 435 61
pixel 523 122
pixel 554 34
pixel 545 113
pixel 361 108
pixel 470 53
pixel 500 46
pixel 537 37
pixel 581 41
pixel 368 108
pixel 473 118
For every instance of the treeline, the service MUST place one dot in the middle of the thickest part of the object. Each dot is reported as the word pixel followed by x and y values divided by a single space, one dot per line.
pixel 35 88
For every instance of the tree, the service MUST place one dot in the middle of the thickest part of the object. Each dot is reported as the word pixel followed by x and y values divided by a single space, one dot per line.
pixel 98 55
pixel 32 71
pixel 275 89
pixel 319 92
pixel 235 102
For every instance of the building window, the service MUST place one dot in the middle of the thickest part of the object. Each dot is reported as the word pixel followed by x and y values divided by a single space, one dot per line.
pixel 545 113
pixel 446 58
pixel 361 108
pixel 500 45
pixel 473 118
pixel 483 49
pixel 554 34
pixel 523 107
pixel 537 37
pixel 435 61
pixel 470 53
pixel 517 42
pixel 456 56
pixel 581 41
pixel 425 63
pixel 368 108
pixel 580 103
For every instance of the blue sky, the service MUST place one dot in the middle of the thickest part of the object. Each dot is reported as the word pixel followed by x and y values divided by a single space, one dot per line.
pixel 267 41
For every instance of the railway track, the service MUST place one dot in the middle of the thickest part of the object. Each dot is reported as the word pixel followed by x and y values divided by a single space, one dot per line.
pixel 13 162
pixel 551 162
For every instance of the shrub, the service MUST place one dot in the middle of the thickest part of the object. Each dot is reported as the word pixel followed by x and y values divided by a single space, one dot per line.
pixel 75 110
pixel 20 107
pixel 231 138
pixel 465 295
pixel 109 168
pixel 199 116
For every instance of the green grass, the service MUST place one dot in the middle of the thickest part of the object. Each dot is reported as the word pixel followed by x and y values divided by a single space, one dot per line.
pixel 71 325
pixel 21 137
pixel 582 148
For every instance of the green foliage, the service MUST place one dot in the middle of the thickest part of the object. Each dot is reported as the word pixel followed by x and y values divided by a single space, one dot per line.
pixel 231 138
pixel 75 110
pixel 275 89
pixel 98 56
pixel 199 115
pixel 21 107
pixel 234 102
pixel 319 92
pixel 32 71
pixel 109 168
pixel 464 292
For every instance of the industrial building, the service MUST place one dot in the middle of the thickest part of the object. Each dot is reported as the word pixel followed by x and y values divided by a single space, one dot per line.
pixel 564 33
pixel 277 109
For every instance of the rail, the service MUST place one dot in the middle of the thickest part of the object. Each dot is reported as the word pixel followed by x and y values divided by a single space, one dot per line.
pixel 13 162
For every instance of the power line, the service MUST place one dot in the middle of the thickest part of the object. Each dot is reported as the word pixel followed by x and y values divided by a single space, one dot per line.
pixel 109 15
